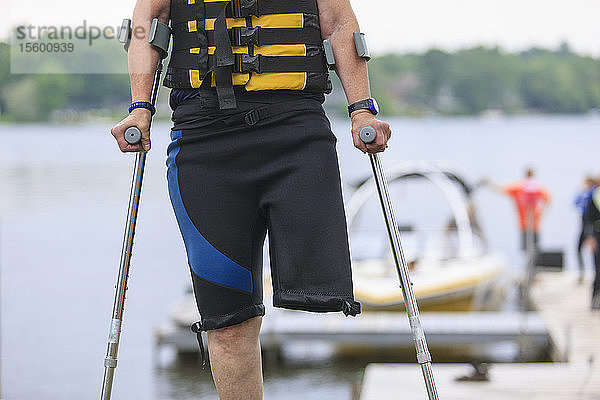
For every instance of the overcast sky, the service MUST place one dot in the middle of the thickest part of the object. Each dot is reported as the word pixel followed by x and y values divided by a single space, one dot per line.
pixel 390 25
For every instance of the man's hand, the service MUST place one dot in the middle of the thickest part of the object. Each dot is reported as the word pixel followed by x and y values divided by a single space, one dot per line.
pixel 362 118
pixel 140 118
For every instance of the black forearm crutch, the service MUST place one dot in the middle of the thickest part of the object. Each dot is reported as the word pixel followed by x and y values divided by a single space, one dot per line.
pixel 159 37
pixel 367 135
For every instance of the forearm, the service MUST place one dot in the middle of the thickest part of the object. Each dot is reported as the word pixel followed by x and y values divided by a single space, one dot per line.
pixel 143 58
pixel 338 25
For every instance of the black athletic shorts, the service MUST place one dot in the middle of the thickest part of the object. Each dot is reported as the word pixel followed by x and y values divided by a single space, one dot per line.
pixel 234 175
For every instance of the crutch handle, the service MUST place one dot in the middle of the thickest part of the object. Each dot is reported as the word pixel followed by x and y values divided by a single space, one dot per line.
pixel 133 135
pixel 367 134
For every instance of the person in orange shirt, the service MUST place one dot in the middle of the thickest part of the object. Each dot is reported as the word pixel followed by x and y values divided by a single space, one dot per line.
pixel 530 199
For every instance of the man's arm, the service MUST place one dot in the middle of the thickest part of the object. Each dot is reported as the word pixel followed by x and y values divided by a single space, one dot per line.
pixel 500 189
pixel 143 60
pixel 338 22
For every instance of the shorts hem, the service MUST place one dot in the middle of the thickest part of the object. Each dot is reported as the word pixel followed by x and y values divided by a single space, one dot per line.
pixel 223 321
pixel 315 302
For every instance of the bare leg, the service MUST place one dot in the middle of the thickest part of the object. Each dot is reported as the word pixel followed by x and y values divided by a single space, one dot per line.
pixel 235 360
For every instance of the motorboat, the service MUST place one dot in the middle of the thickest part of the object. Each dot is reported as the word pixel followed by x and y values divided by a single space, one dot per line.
pixel 451 266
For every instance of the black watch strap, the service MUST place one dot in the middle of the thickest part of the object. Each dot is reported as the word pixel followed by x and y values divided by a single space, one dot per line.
pixel 366 104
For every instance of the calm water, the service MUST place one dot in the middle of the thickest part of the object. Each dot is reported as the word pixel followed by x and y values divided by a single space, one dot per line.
pixel 63 198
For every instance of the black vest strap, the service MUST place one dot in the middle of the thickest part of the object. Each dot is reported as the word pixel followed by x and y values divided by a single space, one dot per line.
pixel 224 61
pixel 182 38
pixel 184 59
pixel 181 11
pixel 200 16
pixel 243 36
pixel 260 7
pixel 177 78
pixel 260 64
pixel 254 116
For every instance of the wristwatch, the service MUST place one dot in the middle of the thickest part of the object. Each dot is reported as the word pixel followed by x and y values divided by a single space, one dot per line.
pixel 367 104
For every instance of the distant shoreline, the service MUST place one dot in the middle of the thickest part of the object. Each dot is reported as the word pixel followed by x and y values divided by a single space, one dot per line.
pixel 478 81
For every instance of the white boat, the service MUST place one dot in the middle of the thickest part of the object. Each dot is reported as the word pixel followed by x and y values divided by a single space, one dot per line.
pixel 451 267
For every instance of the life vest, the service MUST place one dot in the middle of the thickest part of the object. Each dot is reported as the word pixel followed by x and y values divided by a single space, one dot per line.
pixel 256 44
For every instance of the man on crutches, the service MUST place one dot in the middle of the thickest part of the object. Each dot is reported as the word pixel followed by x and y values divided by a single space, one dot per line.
pixel 252 151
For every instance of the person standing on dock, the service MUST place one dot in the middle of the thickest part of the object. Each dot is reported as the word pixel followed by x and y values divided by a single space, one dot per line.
pixel 591 221
pixel 582 200
pixel 530 199
pixel 252 151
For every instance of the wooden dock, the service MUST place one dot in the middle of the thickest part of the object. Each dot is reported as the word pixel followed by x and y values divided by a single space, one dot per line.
pixel 564 307
pixel 378 330
pixel 533 381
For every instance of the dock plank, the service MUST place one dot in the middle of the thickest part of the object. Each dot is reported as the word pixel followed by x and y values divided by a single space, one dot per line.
pixel 533 381
pixel 564 307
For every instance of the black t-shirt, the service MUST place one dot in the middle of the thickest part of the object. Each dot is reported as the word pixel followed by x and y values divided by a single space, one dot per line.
pixel 197 109
pixel 179 96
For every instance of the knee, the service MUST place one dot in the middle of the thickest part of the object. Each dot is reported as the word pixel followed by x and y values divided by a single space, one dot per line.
pixel 238 335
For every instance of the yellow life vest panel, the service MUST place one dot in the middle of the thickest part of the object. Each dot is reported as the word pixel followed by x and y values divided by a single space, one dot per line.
pixel 255 44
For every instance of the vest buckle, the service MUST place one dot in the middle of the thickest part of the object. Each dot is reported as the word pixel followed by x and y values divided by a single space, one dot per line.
pixel 244 8
pixel 251 118
pixel 245 63
pixel 244 36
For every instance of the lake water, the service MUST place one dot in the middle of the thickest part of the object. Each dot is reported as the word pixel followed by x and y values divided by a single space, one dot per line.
pixel 63 199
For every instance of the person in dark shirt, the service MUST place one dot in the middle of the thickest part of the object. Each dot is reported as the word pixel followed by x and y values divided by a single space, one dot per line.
pixel 591 220
pixel 582 200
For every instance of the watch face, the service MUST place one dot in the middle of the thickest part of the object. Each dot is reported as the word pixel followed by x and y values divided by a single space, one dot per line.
pixel 374 106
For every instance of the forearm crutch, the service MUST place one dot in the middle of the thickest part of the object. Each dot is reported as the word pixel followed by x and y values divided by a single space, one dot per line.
pixel 159 37
pixel 367 135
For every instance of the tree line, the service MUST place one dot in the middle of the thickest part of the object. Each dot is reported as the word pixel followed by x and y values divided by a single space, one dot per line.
pixel 474 80
pixel 464 82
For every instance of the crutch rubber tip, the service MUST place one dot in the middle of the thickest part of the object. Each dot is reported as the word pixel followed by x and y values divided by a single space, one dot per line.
pixel 133 135
pixel 367 134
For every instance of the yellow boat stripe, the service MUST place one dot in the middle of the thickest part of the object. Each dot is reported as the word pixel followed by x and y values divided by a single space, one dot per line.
pixel 277 21
pixel 387 297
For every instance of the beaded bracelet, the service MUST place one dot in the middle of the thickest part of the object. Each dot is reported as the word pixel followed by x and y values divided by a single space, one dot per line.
pixel 142 104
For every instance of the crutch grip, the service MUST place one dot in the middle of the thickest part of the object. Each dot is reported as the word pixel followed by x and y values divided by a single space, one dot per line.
pixel 367 134
pixel 133 135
